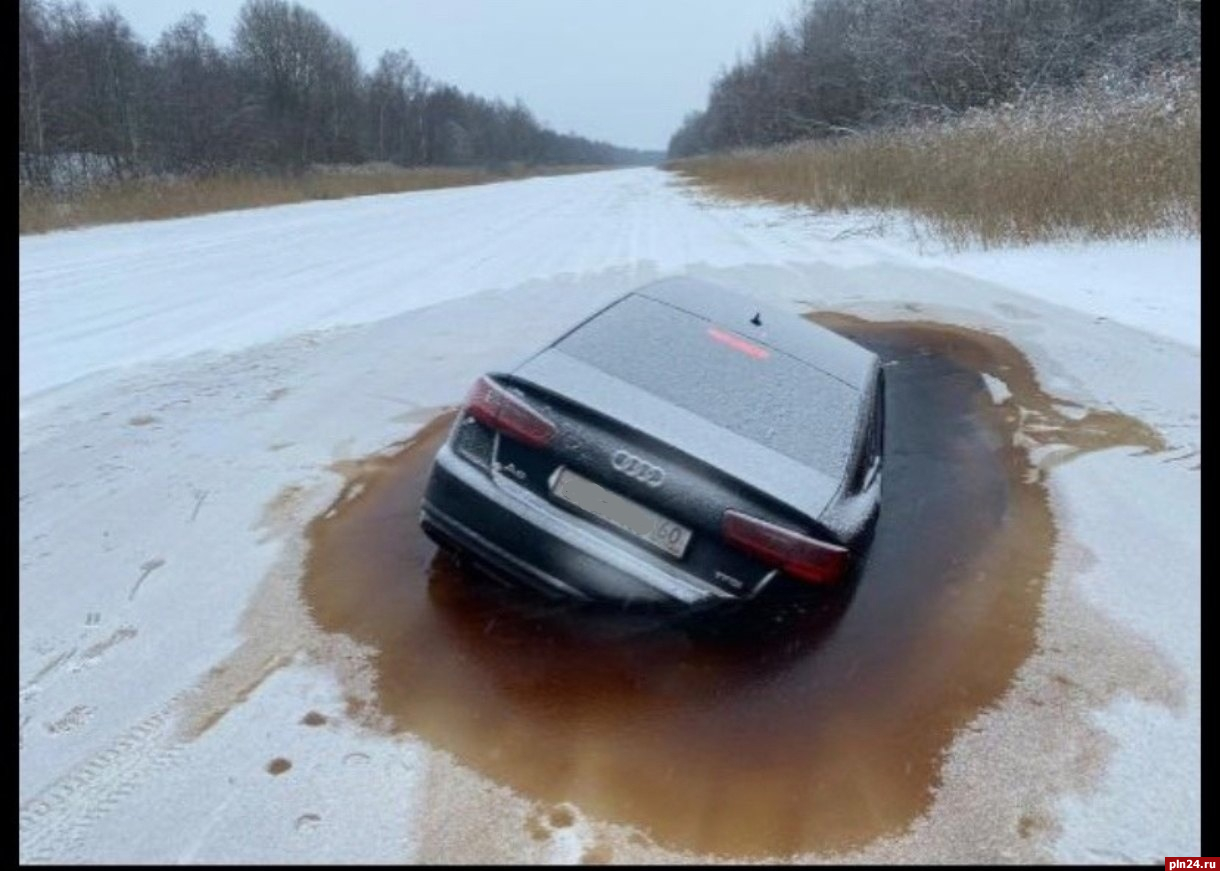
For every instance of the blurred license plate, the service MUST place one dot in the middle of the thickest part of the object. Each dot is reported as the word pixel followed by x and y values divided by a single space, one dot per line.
pixel 620 511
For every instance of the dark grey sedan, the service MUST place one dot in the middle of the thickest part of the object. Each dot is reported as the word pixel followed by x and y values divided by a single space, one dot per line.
pixel 684 445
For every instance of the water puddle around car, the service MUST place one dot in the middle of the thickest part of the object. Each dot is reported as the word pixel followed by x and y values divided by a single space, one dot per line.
pixel 822 731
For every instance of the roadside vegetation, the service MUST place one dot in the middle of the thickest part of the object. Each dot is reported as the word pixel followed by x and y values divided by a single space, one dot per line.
pixel 150 199
pixel 1089 165
pixel 984 121
pixel 112 129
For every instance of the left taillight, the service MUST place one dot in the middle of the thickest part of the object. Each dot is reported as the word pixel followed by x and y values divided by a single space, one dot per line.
pixel 810 560
pixel 492 405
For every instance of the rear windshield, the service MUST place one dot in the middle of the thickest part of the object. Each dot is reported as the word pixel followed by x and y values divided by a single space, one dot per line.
pixel 707 368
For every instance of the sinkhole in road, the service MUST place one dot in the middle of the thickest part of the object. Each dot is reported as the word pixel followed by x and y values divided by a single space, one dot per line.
pixel 821 731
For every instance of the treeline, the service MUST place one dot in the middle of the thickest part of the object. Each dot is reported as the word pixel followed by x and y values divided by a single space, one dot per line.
pixel 845 66
pixel 288 93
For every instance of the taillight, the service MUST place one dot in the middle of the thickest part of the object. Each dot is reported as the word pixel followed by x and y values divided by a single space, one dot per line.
pixel 492 405
pixel 817 562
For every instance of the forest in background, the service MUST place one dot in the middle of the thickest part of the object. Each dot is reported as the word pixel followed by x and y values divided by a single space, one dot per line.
pixel 288 94
pixel 844 67
pixel 981 121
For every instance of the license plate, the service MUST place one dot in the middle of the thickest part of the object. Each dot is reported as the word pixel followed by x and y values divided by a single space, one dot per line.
pixel 620 511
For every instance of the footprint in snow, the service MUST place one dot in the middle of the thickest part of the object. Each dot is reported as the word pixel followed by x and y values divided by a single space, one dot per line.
pixel 146 569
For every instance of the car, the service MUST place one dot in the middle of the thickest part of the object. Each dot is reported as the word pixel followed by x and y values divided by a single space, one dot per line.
pixel 685 446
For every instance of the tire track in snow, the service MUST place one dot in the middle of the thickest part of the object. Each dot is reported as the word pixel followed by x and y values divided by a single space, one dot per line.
pixel 54 822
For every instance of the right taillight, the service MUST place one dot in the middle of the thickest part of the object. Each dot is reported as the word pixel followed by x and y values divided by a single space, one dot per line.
pixel 492 405
pixel 817 562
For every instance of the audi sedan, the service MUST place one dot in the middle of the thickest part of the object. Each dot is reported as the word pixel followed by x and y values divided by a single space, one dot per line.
pixel 682 446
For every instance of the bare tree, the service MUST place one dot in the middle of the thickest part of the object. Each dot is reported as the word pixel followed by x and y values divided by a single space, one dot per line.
pixel 32 37
pixel 194 100
pixel 396 89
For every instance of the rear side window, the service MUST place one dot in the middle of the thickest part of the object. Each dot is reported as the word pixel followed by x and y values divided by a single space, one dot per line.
pixel 874 438
pixel 708 369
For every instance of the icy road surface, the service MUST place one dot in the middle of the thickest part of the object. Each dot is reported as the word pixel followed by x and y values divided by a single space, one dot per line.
pixel 190 388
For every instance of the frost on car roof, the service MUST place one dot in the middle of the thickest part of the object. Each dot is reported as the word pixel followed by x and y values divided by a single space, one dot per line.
pixel 806 341
pixel 702 366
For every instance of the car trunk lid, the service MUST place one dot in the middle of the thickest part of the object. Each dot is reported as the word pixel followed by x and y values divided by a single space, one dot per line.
pixel 601 414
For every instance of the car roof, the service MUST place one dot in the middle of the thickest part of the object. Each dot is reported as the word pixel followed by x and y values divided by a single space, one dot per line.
pixel 810 343
pixel 735 375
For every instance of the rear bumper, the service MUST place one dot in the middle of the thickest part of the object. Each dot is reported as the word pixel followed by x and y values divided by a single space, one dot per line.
pixel 516 533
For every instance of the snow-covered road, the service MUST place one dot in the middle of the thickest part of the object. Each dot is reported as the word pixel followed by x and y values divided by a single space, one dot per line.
pixel 189 387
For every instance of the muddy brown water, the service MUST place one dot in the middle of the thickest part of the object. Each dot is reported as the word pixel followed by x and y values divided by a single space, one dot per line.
pixel 823 729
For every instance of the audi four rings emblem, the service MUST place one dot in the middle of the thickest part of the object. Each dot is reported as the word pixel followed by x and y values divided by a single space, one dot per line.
pixel 633 466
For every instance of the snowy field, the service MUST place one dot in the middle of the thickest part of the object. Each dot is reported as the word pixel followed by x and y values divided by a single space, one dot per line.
pixel 188 386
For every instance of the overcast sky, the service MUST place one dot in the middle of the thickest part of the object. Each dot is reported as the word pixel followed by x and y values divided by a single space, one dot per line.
pixel 625 71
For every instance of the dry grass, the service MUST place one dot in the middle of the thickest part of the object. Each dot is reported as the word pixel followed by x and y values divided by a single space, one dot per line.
pixel 1095 165
pixel 40 212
